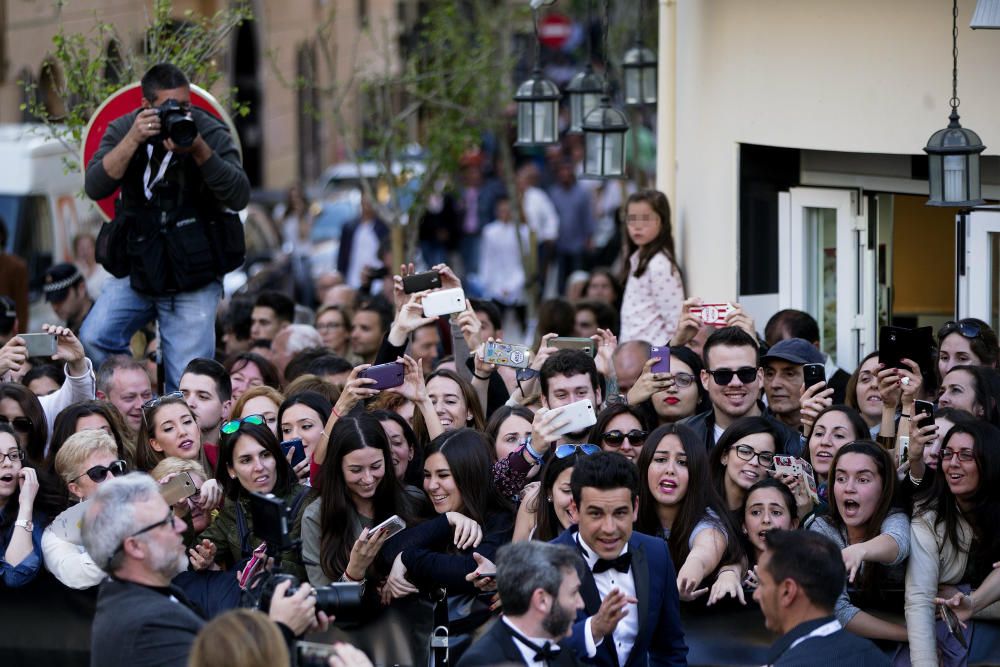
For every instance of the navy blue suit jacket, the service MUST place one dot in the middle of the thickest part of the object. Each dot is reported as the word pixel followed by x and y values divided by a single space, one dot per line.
pixel 660 640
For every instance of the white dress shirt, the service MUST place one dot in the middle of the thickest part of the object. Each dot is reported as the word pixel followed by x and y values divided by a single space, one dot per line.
pixel 628 627
pixel 527 652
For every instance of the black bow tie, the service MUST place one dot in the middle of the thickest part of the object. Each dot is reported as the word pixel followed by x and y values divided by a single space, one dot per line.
pixel 547 652
pixel 622 563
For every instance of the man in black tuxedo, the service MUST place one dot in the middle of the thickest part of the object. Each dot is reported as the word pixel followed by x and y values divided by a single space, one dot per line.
pixel 631 614
pixel 540 591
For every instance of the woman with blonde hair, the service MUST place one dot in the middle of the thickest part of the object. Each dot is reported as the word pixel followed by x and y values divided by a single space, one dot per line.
pixel 263 401
pixel 85 460
pixel 244 637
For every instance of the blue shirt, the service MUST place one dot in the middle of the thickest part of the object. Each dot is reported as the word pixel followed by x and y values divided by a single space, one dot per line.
pixel 25 571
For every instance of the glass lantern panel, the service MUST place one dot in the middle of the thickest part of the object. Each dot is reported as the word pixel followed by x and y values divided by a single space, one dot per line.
pixel 632 81
pixel 593 154
pixel 577 106
pixel 954 178
pixel 649 85
pixel 934 173
pixel 614 154
pixel 524 122
pixel 975 184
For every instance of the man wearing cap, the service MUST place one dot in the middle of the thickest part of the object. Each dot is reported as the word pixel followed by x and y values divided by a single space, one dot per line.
pixel 783 377
pixel 66 289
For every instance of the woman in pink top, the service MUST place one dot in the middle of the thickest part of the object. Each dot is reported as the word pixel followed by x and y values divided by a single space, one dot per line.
pixel 654 287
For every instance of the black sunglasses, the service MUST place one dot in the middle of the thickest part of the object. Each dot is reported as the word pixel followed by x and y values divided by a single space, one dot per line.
pixel 98 474
pixel 616 437
pixel 964 327
pixel 19 424
pixel 724 376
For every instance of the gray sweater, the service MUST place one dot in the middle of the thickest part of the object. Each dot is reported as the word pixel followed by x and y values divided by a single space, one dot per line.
pixel 896 525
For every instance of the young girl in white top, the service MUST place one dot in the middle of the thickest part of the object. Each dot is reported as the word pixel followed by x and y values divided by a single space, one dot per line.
pixel 654 287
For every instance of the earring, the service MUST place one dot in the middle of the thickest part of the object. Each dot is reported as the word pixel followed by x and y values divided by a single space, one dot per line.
pixel 550 499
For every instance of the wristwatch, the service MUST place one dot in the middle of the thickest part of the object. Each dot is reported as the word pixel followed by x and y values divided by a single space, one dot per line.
pixel 26 524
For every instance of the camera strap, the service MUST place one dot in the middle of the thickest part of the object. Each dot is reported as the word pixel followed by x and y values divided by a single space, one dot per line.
pixel 147 186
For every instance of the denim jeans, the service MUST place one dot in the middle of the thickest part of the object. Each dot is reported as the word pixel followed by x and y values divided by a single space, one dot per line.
pixel 187 324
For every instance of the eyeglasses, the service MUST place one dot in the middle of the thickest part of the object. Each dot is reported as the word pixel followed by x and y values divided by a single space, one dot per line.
pixel 153 402
pixel 616 437
pixel 963 454
pixel 98 474
pixel 724 376
pixel 964 327
pixel 683 379
pixel 166 521
pixel 19 424
pixel 747 453
pixel 562 451
pixel 233 425
pixel 15 455
pixel 329 326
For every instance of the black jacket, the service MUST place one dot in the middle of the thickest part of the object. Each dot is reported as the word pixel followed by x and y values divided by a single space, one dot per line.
pixel 792 444
pixel 137 625
pixel 839 649
pixel 498 647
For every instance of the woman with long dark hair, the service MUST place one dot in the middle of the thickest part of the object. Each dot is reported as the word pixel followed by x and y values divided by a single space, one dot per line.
pixel 547 507
pixel 304 416
pixel 674 395
pixel 21 525
pixel 472 517
pixel 678 502
pixel 654 286
pixel 87 415
pixel 741 458
pixel 954 533
pixel 874 539
pixel 362 491
pixel 250 460
pixel 621 428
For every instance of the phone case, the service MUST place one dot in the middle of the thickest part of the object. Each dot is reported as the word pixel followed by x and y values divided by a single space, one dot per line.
pixel 300 450
pixel 786 465
pixel 444 302
pixel 923 413
pixel 572 343
pixel 386 376
pixel 419 282
pixel 178 488
pixel 40 344
pixel 393 523
pixel 663 365
pixel 813 374
pixel 712 314
pixel 581 416
pixel 506 354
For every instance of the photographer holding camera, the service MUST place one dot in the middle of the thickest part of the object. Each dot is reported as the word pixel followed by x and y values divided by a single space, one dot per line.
pixel 142 619
pixel 174 234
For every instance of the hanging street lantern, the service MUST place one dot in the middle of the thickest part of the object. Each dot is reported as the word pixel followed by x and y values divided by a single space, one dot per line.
pixel 639 67
pixel 604 142
pixel 537 111
pixel 953 153
pixel 953 157
pixel 584 91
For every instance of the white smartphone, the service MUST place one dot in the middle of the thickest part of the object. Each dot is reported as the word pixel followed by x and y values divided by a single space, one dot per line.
pixel 393 525
pixel 581 416
pixel 444 302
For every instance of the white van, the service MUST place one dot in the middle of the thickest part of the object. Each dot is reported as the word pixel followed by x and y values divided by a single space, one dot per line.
pixel 41 203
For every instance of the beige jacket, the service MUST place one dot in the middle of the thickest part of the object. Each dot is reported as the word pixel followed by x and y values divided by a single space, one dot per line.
pixel 933 561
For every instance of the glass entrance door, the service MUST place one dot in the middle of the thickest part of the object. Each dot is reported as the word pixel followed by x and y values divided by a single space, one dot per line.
pixel 977 254
pixel 827 268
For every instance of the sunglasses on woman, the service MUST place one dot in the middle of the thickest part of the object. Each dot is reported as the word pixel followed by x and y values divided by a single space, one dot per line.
pixel 98 474
pixel 616 437
pixel 153 402
pixel 233 425
pixel 19 424
pixel 966 328
pixel 562 451
pixel 724 376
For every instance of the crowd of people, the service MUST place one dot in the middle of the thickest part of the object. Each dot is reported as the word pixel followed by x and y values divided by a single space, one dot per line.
pixel 643 464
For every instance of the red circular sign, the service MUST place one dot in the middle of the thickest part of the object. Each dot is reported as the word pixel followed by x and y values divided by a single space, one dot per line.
pixel 126 100
pixel 554 30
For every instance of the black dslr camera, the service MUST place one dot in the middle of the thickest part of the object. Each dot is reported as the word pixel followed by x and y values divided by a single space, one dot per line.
pixel 176 124
pixel 271 519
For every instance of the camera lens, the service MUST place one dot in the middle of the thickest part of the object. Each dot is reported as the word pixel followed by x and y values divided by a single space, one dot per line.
pixel 339 597
pixel 181 129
